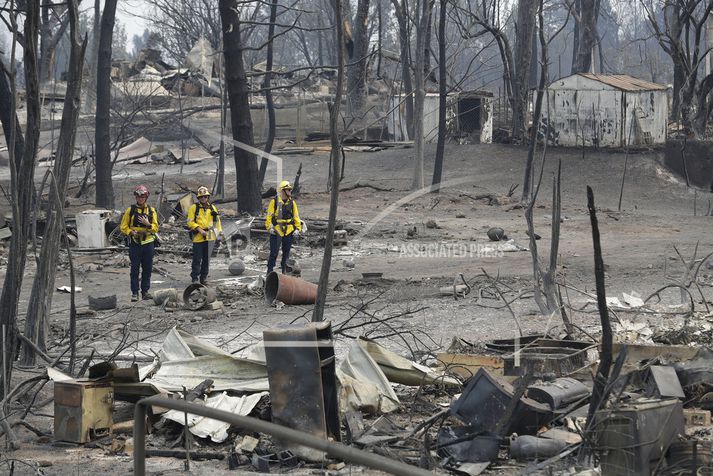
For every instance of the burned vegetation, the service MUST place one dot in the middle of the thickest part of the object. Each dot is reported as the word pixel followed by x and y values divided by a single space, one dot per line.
pixel 356 237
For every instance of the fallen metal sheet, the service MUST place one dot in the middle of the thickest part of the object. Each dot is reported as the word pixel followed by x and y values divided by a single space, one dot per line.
pixel 57 375
pixel 217 430
pixel 400 370
pixel 148 370
pixel 139 148
pixel 227 373
pixel 180 345
pixel 663 382
pixel 363 385
pixel 186 361
pixel 484 401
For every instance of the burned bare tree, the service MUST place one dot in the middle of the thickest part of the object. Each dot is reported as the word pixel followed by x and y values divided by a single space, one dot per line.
pixel 267 87
pixel 246 169
pixel 422 19
pixel 680 34
pixel 357 71
pixel 527 192
pixel 22 171
pixel 102 134
pixel 40 301
pixel 546 290
pixel 485 19
pixel 442 89
pixel 335 165
pixel 54 21
pixel 586 14
pixel 183 22
pixel 401 11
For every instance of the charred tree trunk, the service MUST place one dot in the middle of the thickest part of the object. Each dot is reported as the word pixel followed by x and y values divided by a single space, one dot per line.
pixel 537 114
pixel 356 73
pixel 335 166
pixel 704 106
pixel 40 301
pixel 402 16
pixel 380 19
pixel 90 105
pixel 102 142
pixel 246 169
pixel 526 16
pixel 49 40
pixel 586 19
pixel 442 89
pixel 428 74
pixel 420 93
pixel 8 115
pixel 22 171
pixel 269 102
pixel 605 361
pixel 679 77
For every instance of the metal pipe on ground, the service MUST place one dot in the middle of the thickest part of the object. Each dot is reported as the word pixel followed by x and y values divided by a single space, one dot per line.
pixel 336 450
pixel 289 290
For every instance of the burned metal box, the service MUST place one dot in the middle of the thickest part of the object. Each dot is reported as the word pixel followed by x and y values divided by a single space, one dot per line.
pixel 484 401
pixel 629 438
pixel 303 387
pixel 80 408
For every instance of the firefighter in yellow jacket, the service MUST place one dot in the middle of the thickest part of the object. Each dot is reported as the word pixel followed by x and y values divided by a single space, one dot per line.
pixel 140 225
pixel 283 223
pixel 204 223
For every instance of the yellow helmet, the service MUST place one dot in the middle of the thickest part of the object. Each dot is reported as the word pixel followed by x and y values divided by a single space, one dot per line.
pixel 202 192
pixel 285 184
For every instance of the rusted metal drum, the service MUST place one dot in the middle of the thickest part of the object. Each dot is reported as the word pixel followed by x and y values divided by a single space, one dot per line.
pixel 289 290
pixel 196 296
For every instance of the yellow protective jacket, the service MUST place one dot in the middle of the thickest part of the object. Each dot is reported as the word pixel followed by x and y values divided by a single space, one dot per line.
pixel 206 219
pixel 285 218
pixel 130 221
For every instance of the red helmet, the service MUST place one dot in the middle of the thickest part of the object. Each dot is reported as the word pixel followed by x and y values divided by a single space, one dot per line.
pixel 141 191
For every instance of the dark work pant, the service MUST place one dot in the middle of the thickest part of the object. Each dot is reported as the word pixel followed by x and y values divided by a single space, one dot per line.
pixel 141 256
pixel 275 242
pixel 201 260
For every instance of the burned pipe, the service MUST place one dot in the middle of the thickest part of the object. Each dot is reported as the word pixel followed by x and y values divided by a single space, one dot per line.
pixel 337 450
pixel 289 290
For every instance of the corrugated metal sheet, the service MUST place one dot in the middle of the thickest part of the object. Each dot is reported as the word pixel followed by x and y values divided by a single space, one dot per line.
pixel 624 82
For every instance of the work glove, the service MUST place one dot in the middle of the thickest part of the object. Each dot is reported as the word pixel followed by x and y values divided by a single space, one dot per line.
pixel 296 233
pixel 272 230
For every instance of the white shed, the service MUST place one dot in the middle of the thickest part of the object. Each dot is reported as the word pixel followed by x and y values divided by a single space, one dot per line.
pixel 468 114
pixel 597 110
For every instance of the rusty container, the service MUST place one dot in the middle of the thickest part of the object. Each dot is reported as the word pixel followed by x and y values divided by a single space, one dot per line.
pixel 289 289
pixel 81 409
pixel 197 296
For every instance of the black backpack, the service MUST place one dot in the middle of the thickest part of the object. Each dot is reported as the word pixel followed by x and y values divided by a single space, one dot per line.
pixel 213 211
